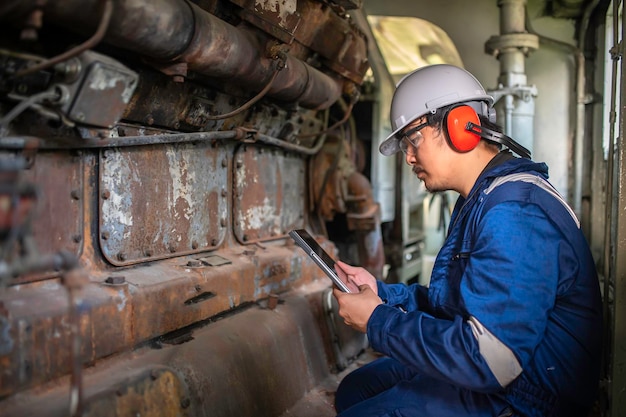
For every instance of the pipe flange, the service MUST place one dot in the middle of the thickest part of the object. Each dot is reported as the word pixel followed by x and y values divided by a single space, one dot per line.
pixel 527 42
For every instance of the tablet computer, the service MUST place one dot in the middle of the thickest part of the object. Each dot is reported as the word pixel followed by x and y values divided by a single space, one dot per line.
pixel 320 257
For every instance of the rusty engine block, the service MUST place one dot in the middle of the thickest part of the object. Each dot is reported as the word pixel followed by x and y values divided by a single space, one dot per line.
pixel 154 156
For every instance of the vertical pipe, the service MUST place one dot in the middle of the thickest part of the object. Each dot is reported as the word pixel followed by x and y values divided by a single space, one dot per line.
pixel 618 247
pixel 511 47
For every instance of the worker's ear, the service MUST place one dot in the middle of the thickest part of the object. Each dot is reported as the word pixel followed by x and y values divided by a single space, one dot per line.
pixel 455 125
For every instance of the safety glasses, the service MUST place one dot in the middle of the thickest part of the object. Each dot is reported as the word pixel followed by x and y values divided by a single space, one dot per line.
pixel 411 139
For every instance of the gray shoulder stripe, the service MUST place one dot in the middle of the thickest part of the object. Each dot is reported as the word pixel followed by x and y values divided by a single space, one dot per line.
pixel 501 360
pixel 538 181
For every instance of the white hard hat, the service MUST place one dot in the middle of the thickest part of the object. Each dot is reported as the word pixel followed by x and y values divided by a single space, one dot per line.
pixel 429 88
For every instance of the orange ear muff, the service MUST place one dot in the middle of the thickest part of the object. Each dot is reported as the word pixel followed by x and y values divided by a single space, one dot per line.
pixel 455 122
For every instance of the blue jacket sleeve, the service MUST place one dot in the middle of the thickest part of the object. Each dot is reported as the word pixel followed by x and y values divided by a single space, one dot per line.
pixel 508 284
pixel 410 297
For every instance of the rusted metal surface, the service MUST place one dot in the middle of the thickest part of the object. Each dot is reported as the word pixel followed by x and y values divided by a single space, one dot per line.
pixel 158 202
pixel 96 89
pixel 337 187
pixel 310 23
pixel 58 221
pixel 342 46
pixel 156 392
pixel 150 301
pixel 364 219
pixel 193 300
pixel 200 41
pixel 278 18
pixel 257 362
pixel 269 198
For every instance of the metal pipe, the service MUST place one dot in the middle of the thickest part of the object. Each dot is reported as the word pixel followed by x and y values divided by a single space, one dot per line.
pixel 581 163
pixel 581 100
pixel 240 134
pixel 364 218
pixel 511 48
pixel 179 36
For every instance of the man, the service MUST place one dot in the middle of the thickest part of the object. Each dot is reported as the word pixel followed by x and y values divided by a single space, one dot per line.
pixel 510 324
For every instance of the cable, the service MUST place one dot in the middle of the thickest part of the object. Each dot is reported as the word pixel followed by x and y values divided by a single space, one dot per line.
pixel 90 43
pixel 30 101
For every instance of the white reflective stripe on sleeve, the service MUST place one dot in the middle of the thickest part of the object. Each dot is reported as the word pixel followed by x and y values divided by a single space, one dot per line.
pixel 501 360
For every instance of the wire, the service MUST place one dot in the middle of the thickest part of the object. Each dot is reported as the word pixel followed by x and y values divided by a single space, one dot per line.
pixel 90 43
pixel 249 103
pixel 51 94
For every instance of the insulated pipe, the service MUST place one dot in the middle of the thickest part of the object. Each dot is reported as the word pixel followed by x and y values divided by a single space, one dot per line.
pixel 178 35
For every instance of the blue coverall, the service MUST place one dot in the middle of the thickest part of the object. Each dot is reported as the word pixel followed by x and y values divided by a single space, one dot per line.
pixel 510 323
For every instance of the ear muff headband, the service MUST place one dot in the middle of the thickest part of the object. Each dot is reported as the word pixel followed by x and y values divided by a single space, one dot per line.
pixel 455 123
pixel 500 138
pixel 464 131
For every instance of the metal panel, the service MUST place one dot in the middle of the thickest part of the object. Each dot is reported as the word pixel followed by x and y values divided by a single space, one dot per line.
pixel 162 201
pixel 269 195
pixel 58 222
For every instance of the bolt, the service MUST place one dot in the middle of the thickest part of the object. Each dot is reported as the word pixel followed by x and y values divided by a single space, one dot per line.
pixel 213 242
pixel 148 253
pixel 194 245
pixel 272 301
pixel 105 235
pixel 77 238
pixel 185 402
pixel 223 222
pixel 115 280
pixel 224 162
pixel 106 194
pixel 75 195
pixel 121 256
pixel 194 263
pixel 224 192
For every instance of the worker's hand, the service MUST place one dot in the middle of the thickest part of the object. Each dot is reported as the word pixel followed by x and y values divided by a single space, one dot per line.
pixel 359 276
pixel 357 308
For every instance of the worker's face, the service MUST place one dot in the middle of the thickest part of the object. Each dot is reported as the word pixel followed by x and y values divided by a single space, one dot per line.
pixel 426 152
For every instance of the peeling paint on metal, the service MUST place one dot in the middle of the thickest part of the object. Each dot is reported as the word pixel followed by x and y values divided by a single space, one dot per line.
pixel 259 216
pixel 121 304
pixel 284 8
pixel 182 182
pixel 116 210
pixel 107 79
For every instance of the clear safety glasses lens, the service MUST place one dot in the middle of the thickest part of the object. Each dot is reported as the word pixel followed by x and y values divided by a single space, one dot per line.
pixel 411 139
